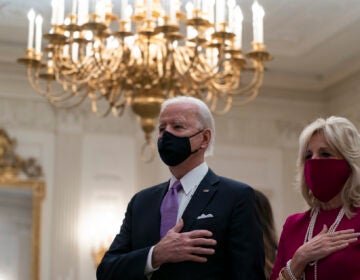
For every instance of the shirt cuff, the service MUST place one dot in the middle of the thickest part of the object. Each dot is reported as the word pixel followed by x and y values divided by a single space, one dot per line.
pixel 149 269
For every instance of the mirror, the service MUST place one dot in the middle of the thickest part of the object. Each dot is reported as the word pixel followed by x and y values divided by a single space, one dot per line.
pixel 21 194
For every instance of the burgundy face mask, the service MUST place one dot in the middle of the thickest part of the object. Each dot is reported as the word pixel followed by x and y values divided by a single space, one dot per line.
pixel 326 177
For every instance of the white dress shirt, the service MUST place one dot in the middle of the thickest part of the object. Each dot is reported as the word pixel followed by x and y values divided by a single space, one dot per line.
pixel 189 183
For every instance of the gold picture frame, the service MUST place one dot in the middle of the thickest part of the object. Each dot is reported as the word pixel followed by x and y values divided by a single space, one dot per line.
pixel 16 175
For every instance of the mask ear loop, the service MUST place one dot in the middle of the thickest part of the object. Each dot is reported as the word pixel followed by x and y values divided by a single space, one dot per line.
pixel 196 133
pixel 198 149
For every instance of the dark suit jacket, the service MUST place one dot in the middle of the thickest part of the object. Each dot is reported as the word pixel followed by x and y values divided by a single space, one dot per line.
pixel 239 253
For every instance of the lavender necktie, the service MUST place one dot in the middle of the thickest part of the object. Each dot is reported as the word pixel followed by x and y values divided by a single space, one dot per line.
pixel 169 209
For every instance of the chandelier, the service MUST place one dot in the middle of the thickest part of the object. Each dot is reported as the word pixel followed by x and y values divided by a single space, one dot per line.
pixel 150 51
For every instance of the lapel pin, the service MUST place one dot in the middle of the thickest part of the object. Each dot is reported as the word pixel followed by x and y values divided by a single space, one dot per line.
pixel 205 190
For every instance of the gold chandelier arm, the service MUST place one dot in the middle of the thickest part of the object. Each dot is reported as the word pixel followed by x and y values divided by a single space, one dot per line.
pixel 62 98
pixel 63 63
pixel 107 60
pixel 82 74
pixel 200 71
pixel 34 80
pixel 119 108
pixel 182 58
pixel 225 82
pixel 67 95
pixel 192 64
pixel 251 91
pixel 110 94
pixel 225 109
pixel 167 69
pixel 59 105
pixel 67 69
pixel 193 57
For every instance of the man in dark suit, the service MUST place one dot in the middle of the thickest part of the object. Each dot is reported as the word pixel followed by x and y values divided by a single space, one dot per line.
pixel 214 232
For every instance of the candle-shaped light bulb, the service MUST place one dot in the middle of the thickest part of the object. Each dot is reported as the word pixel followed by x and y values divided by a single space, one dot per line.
pixel 31 17
pixel 231 7
pixel 74 7
pixel 100 10
pixel 60 12
pixel 83 11
pixel 210 4
pixel 190 31
pixel 108 7
pixel 38 23
pixel 172 11
pixel 197 4
pixel 148 9
pixel 220 13
pixel 54 11
pixel 124 4
pixel 128 12
pixel 189 7
pixel 258 15
pixel 238 21
pixel 166 7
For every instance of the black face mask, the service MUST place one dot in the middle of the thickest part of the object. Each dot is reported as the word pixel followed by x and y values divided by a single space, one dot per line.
pixel 173 149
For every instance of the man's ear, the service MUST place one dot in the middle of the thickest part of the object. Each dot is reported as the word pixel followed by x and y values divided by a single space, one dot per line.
pixel 206 138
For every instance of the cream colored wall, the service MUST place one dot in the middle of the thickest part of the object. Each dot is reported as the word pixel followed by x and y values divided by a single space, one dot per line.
pixel 93 165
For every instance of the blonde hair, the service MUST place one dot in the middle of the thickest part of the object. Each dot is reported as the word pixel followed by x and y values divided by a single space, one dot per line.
pixel 342 136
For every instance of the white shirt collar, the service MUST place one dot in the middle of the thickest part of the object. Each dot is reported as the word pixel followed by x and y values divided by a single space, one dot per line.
pixel 192 178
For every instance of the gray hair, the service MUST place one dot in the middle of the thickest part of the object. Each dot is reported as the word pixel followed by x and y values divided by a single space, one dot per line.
pixel 204 116
pixel 341 136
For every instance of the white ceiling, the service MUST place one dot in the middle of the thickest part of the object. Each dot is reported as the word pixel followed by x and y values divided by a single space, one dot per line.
pixel 315 43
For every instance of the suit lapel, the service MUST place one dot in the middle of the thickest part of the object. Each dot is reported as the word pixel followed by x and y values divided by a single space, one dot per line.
pixel 158 195
pixel 202 196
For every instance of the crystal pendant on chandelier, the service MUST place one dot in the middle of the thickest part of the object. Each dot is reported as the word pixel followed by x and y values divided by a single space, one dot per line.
pixel 159 49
